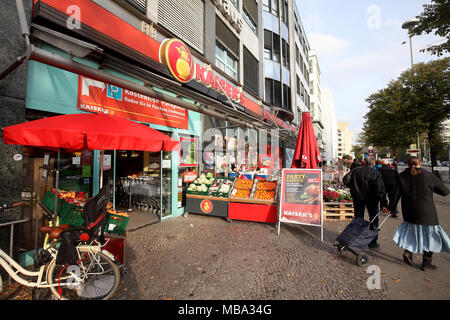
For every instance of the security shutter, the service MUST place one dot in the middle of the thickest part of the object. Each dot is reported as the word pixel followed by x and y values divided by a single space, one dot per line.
pixel 227 37
pixel 141 5
pixel 250 71
pixel 185 19
pixel 251 7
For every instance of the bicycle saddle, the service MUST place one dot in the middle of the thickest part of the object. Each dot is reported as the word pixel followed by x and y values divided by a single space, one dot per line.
pixel 54 232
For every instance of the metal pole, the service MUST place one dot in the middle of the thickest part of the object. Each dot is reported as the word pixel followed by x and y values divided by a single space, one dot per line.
pixel 11 236
pixel 101 168
pixel 161 186
pixel 36 227
pixel 114 182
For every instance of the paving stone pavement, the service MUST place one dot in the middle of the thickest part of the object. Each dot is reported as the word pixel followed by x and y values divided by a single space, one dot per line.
pixel 206 258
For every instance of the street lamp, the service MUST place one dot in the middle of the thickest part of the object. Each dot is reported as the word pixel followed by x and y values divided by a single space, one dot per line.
pixel 408 25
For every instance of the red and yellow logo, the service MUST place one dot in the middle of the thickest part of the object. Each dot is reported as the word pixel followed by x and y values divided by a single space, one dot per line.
pixel 206 206
pixel 176 55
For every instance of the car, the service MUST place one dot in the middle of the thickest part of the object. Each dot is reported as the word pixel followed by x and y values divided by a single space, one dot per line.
pixel 401 163
pixel 445 163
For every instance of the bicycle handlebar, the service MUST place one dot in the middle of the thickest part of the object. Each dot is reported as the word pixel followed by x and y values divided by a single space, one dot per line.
pixel 7 207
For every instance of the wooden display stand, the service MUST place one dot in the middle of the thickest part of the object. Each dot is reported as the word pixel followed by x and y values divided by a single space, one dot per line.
pixel 338 211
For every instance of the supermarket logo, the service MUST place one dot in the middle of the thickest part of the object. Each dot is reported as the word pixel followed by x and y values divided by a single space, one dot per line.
pixel 206 206
pixel 176 55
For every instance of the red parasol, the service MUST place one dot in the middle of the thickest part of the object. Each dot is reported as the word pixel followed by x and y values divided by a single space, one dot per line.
pixel 306 153
pixel 91 131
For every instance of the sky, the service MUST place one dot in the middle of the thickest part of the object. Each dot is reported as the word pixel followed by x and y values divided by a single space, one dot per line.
pixel 359 47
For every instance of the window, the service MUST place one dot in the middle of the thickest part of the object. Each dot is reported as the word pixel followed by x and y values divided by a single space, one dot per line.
pixel 271 6
pixel 271 46
pixel 284 12
pixel 297 55
pixel 141 5
pixel 298 85
pixel 273 92
pixel 250 72
pixel 226 61
pixel 286 97
pixel 250 13
pixel 285 54
pixel 236 3
pixel 227 50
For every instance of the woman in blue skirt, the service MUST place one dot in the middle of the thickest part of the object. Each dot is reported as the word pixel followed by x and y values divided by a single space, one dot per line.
pixel 420 232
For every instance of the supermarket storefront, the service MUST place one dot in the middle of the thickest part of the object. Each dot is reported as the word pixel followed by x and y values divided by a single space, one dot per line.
pixel 161 84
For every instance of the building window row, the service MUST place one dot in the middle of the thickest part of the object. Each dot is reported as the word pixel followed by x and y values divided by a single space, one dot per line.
pixel 250 14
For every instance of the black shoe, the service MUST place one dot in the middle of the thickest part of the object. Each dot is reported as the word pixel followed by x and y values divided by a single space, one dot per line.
pixel 426 264
pixel 374 245
pixel 408 257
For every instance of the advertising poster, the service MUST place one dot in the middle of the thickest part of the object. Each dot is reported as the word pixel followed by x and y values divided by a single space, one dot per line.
pixel 98 97
pixel 301 197
pixel 188 152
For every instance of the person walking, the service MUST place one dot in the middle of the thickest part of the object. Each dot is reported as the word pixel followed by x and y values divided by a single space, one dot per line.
pixel 390 180
pixel 420 231
pixel 356 163
pixel 367 188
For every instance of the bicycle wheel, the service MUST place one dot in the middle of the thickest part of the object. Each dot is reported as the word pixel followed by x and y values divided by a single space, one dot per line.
pixel 95 277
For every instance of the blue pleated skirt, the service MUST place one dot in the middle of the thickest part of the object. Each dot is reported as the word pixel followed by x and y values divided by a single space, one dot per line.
pixel 418 238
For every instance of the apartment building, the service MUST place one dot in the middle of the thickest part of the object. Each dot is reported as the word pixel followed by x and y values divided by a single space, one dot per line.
pixel 316 99
pixel 245 66
pixel 345 140
pixel 330 131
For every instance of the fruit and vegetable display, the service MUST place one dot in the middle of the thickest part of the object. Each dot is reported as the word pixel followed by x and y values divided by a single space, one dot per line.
pixel 258 189
pixel 219 187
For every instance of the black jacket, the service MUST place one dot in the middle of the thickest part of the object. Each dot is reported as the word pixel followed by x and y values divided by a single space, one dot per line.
pixel 390 177
pixel 365 183
pixel 416 193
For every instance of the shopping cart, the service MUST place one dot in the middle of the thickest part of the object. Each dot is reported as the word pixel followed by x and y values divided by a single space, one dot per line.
pixel 356 238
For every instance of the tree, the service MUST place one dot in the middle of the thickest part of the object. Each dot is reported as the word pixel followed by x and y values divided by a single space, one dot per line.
pixel 436 16
pixel 417 102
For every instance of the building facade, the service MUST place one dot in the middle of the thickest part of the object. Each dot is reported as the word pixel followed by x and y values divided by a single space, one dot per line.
pixel 345 140
pixel 330 131
pixel 316 99
pixel 245 69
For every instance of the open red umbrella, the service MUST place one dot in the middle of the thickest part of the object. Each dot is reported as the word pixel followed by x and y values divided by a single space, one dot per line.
pixel 88 131
pixel 306 153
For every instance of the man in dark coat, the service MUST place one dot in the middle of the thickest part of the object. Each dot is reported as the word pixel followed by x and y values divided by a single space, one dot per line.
pixel 355 164
pixel 390 180
pixel 367 188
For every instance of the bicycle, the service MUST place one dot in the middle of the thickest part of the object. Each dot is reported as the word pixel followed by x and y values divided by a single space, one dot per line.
pixel 94 275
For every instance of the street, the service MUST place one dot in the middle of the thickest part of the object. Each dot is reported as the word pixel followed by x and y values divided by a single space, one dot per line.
pixel 202 257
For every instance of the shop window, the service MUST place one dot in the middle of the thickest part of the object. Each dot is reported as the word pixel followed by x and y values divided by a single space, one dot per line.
pixel 250 72
pixel 250 13
pixel 140 5
pixel 226 61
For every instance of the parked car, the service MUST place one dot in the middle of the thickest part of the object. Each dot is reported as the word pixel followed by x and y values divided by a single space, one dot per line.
pixel 445 163
pixel 401 163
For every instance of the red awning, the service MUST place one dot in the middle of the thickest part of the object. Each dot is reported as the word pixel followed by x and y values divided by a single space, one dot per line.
pixel 91 131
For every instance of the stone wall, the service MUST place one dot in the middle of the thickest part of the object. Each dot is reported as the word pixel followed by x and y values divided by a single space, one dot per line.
pixel 12 107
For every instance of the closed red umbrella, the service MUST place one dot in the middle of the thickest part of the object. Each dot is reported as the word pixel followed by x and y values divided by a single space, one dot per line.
pixel 306 153
pixel 88 131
